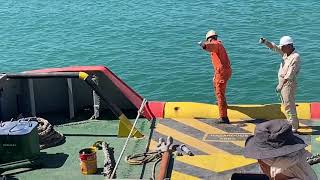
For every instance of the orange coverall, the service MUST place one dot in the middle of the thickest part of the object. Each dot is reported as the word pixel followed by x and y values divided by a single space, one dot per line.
pixel 222 72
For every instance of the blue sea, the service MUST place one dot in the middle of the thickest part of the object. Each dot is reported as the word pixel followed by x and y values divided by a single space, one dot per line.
pixel 152 45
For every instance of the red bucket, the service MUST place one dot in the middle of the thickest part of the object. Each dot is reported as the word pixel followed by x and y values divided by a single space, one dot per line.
pixel 88 160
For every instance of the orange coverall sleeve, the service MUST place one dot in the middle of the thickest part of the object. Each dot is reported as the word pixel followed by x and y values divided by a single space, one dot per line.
pixel 210 47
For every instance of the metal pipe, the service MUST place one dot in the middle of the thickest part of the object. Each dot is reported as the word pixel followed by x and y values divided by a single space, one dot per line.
pixel 43 75
pixel 164 165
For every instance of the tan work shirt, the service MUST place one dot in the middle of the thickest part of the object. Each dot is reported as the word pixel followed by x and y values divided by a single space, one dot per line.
pixel 290 65
pixel 293 165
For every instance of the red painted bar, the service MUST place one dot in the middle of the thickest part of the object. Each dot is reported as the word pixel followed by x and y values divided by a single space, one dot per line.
pixel 154 109
pixel 315 110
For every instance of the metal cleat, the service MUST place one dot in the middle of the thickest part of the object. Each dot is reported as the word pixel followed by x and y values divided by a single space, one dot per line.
pixel 163 145
pixel 176 149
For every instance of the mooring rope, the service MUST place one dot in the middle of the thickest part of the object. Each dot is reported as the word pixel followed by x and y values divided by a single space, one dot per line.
pixel 48 136
pixel 109 162
pixel 143 158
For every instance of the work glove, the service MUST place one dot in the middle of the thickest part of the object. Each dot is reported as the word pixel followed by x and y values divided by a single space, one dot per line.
pixel 278 88
pixel 200 43
pixel 262 40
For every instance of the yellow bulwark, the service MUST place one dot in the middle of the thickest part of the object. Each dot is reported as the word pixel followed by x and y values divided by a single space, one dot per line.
pixel 218 148
pixel 201 110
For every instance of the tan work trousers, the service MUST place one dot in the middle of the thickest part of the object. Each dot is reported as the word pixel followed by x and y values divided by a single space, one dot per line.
pixel 288 100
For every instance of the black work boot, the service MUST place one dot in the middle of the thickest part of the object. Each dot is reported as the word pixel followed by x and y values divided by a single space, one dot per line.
pixel 223 120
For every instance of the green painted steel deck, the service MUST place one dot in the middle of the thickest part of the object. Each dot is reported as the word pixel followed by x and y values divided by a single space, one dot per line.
pixel 217 149
pixel 62 162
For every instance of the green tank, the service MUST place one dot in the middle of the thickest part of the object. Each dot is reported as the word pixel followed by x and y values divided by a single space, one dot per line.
pixel 19 140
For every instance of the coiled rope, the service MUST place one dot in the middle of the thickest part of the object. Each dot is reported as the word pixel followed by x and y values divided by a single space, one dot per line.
pixel 139 159
pixel 143 158
pixel 48 137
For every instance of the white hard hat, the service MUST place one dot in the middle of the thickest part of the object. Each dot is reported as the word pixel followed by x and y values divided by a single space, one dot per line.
pixel 211 33
pixel 285 40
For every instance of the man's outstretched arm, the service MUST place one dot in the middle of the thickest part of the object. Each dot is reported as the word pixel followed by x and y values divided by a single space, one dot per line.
pixel 271 45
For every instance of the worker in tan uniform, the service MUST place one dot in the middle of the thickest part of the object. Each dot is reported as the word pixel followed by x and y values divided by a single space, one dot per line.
pixel 222 71
pixel 287 76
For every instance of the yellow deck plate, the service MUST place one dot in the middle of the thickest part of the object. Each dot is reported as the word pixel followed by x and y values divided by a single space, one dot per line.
pixel 216 156
pixel 214 162
pixel 176 175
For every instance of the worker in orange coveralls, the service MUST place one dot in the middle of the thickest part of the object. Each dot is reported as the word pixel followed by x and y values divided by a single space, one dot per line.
pixel 222 71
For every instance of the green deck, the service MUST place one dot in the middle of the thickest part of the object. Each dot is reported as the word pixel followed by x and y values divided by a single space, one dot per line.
pixel 62 162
